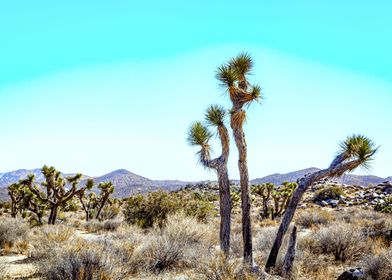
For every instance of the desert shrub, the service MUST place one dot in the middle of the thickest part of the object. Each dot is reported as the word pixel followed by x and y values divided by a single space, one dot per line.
pixel 313 217
pixel 385 206
pixel 378 267
pixel 194 205
pixel 93 226
pixel 47 239
pixel 217 267
pixel 378 229
pixel 110 211
pixel 316 267
pixel 145 211
pixel 179 244
pixel 11 231
pixel 343 241
pixel 81 260
pixel 111 225
pixel 328 192
pixel 264 239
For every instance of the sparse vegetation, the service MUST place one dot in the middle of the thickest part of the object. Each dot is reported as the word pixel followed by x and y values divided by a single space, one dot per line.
pixel 342 241
pixel 328 192
pixel 385 206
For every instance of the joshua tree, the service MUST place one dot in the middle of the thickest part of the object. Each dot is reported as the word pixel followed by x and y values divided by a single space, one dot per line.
pixel 233 77
pixel 355 151
pixel 92 202
pixel 107 189
pixel 56 193
pixel 199 135
pixel 30 201
pixel 89 202
pixel 17 194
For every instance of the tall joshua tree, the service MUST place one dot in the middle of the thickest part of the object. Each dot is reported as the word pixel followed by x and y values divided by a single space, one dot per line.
pixel 356 151
pixel 56 193
pixel 199 135
pixel 234 78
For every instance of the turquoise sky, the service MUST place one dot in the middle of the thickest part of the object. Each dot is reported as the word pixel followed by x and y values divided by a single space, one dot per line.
pixel 94 86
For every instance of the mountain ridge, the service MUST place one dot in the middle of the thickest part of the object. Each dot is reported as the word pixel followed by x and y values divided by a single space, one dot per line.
pixel 127 183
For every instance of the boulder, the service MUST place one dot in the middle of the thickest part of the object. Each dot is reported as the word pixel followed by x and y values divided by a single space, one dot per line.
pixel 352 274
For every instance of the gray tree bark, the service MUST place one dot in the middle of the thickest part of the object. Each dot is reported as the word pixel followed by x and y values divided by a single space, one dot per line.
pixel 337 168
pixel 290 254
pixel 239 137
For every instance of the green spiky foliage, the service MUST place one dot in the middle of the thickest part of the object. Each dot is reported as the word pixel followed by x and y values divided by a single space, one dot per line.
pixel 215 115
pixel 199 135
pixel 233 77
pixel 357 148
pixel 31 202
pixel 53 190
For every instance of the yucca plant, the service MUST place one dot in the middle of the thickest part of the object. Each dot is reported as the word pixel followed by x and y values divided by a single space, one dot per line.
pixel 199 135
pixel 356 151
pixel 233 76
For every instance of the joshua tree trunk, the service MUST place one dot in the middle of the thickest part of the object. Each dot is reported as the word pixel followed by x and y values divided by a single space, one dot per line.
pixel 290 254
pixel 14 209
pixel 225 209
pixel 239 137
pixel 53 215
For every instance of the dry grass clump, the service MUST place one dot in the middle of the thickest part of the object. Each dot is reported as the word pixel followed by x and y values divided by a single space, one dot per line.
pixel 12 231
pixel 316 267
pixel 378 267
pixel 217 267
pixel 95 226
pixel 314 217
pixel 343 241
pixel 179 244
pixel 47 239
pixel 81 260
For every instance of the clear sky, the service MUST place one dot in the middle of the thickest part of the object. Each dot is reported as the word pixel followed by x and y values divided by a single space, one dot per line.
pixel 93 86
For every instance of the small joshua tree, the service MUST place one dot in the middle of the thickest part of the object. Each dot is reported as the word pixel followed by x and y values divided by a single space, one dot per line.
pixel 89 202
pixel 17 194
pixel 199 135
pixel 56 194
pixel 356 151
pixel 107 189
pixel 233 77
pixel 30 201
pixel 274 199
pixel 92 203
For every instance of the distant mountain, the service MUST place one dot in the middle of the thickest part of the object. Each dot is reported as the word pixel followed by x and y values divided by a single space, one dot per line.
pixel 9 178
pixel 349 179
pixel 278 178
pixel 127 183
